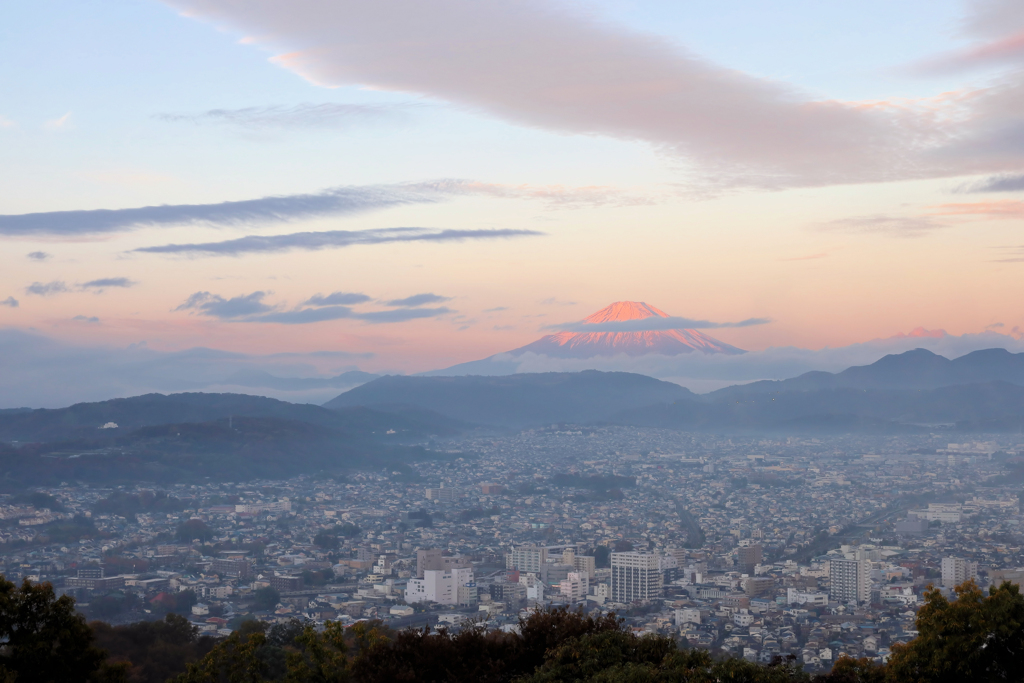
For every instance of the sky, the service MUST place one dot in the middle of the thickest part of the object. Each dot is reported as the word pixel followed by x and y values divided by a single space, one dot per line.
pixel 400 186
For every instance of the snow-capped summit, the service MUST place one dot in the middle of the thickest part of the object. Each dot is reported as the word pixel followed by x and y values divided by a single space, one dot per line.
pixel 583 344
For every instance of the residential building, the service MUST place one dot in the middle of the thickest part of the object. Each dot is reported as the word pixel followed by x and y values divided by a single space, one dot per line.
pixel 527 558
pixel 850 580
pixel 434 559
pixel 575 587
pixel 442 494
pixel 238 568
pixel 749 557
pixel 636 576
pixel 956 570
pixel 437 585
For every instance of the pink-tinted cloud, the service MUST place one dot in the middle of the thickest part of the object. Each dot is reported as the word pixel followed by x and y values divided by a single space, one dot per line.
pixel 990 53
pixel 895 226
pixel 999 209
pixel 545 65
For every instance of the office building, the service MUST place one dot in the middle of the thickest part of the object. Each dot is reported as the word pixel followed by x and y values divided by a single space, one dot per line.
pixel 442 494
pixel 749 557
pixel 956 570
pixel 584 564
pixel 636 576
pixel 575 587
pixel 527 558
pixel 238 568
pixel 850 580
pixel 434 559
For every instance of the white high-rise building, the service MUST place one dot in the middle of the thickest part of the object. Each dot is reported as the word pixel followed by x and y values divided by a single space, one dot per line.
pixel 527 558
pixel 956 570
pixel 445 587
pixel 465 586
pixel 575 587
pixel 850 580
pixel 437 585
pixel 636 576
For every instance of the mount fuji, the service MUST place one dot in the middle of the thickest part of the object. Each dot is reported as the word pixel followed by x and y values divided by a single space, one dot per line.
pixel 585 344
pixel 602 344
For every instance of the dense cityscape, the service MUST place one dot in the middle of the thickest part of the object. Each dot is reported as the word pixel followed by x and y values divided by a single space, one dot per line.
pixel 755 547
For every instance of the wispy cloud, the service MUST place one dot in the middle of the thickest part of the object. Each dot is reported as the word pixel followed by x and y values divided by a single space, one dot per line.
pixel 217 306
pixel 419 300
pixel 61 122
pixel 86 319
pixel 1006 208
pixel 10 302
pixel 39 255
pixel 306 115
pixel 403 314
pixel 495 309
pixel 897 226
pixel 108 282
pixel 60 287
pixel 330 239
pixel 7 123
pixel 336 298
pixel 251 308
pixel 47 288
pixel 338 201
pixel 653 324
pixel 552 301
pixel 333 202
pixel 996 183
pixel 1009 254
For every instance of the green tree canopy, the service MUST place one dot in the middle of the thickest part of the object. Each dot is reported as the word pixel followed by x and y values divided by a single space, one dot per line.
pixel 975 638
pixel 45 640
pixel 193 529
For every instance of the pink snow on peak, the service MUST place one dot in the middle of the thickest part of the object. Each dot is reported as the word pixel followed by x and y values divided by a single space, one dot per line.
pixel 921 332
pixel 624 310
pixel 640 343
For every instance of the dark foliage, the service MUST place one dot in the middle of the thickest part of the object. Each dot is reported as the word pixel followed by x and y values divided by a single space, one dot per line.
pixel 193 529
pixel 266 598
pixel 45 640
pixel 156 650
pixel 129 504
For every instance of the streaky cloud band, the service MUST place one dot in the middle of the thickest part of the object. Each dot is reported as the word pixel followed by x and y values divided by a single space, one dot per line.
pixel 335 201
pixel 654 324
pixel 330 239
pixel 278 209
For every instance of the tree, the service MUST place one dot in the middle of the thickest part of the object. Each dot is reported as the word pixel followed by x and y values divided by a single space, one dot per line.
pixel 266 598
pixel 193 529
pixel 326 540
pixel 976 638
pixel 235 660
pixel 154 650
pixel 850 670
pixel 322 658
pixel 45 641
pixel 348 530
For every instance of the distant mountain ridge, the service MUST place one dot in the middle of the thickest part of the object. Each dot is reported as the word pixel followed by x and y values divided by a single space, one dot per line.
pixel 915 390
pixel 517 400
pixel 916 369
pixel 84 420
